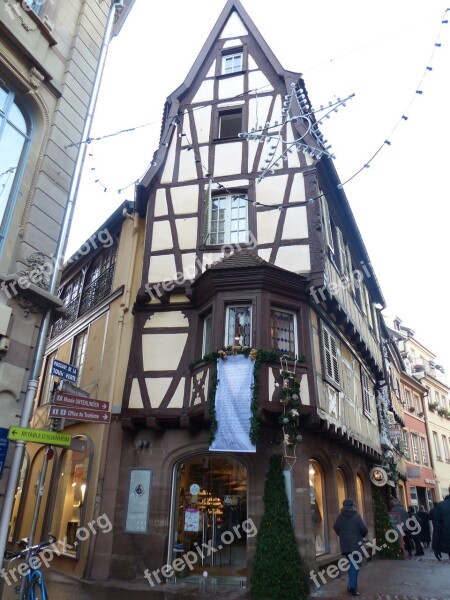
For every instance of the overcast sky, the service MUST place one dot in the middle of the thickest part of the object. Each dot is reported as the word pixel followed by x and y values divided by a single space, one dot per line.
pixel 379 51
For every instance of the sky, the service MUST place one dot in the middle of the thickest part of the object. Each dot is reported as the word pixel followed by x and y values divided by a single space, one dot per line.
pixel 378 51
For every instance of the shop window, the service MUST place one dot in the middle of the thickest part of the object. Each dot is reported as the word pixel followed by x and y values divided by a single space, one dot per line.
pixel 211 504
pixel 341 487
pixel 318 508
pixel 238 326
pixel 71 495
pixel 360 495
pixel 283 332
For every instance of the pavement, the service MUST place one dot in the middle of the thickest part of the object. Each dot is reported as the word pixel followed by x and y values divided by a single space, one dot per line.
pixel 421 578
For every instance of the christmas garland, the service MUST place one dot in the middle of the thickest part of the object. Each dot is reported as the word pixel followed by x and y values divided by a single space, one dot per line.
pixel 289 395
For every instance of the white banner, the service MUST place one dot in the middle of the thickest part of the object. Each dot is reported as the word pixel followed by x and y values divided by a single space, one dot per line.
pixel 233 404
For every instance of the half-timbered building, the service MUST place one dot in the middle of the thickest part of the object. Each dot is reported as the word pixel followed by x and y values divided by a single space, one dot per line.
pixel 250 242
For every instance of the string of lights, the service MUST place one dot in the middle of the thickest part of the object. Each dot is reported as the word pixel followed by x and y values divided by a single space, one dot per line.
pixel 296 144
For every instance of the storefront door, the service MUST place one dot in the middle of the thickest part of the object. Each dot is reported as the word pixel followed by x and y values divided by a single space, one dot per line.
pixel 210 508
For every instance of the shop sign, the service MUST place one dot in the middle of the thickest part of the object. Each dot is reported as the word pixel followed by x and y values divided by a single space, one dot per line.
pixel 138 501
pixel 431 481
pixel 378 476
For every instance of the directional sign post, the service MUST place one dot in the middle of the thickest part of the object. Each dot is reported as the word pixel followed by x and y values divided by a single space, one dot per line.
pixel 63 399
pixel 80 414
pixel 40 436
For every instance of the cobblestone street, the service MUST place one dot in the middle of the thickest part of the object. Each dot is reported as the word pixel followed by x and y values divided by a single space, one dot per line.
pixel 417 579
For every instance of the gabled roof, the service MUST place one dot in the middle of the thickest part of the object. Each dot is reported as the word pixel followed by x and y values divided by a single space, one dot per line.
pixel 172 104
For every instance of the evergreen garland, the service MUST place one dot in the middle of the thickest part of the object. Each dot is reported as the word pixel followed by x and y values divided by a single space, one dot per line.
pixel 278 572
pixel 383 524
pixel 259 356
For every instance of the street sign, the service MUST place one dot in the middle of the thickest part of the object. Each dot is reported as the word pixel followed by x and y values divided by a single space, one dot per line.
pixel 80 414
pixel 3 448
pixel 64 370
pixel 40 436
pixel 63 399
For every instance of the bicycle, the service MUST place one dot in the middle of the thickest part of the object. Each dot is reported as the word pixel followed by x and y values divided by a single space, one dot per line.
pixel 32 586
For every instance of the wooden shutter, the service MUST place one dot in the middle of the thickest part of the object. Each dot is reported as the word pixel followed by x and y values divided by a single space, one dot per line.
pixel 365 392
pixel 331 356
pixel 341 252
pixel 327 224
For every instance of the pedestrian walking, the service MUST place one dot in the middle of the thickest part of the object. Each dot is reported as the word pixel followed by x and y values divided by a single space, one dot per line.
pixel 425 530
pixel 415 531
pixel 351 530
pixel 400 510
pixel 441 528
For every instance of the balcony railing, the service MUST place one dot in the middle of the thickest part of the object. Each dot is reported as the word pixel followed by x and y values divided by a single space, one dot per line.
pixel 91 296
pixel 420 365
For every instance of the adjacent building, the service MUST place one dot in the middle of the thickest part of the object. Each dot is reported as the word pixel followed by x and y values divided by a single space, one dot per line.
pixel 49 59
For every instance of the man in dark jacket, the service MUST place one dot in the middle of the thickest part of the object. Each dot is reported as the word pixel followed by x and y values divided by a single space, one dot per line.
pixel 351 530
pixel 441 528
pixel 398 509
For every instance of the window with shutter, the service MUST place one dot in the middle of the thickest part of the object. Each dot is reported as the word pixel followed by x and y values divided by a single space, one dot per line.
pixel 365 384
pixel 327 225
pixel 331 358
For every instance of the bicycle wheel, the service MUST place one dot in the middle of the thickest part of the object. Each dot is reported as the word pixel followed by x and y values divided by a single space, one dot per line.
pixel 37 589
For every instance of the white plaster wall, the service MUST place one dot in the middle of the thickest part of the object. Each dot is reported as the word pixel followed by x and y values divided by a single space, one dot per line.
pixel 231 87
pixel 173 318
pixel 161 268
pixel 167 175
pixel 295 224
pixel 271 189
pixel 162 236
pixel 135 400
pixel 228 159
pixel 157 388
pixel 162 352
pixel 264 253
pixel 267 226
pixel 187 233
pixel 160 203
pixel 234 27
pixel 294 258
pixel 203 124
pixel 298 189
pixel 205 92
pixel 185 199
pixel 257 80
pixel 189 265
pixel 212 70
pixel 187 169
pixel 177 398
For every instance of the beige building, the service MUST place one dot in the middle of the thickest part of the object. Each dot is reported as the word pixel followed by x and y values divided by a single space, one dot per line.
pixel 94 336
pixel 49 68
pixel 421 365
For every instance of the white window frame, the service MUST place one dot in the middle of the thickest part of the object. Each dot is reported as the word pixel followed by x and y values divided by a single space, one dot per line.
pixel 78 358
pixel 366 395
pixel 240 235
pixel 331 356
pixel 415 448
pixel 207 320
pixel 236 66
pixel 413 495
pixel 445 446
pixel 423 448
pixel 437 448
pixel 227 322
pixel 286 312
pixel 405 440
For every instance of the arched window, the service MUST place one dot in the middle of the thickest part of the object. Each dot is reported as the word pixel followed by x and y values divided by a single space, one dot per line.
pixel 318 508
pixel 71 495
pixel 360 495
pixel 14 138
pixel 341 487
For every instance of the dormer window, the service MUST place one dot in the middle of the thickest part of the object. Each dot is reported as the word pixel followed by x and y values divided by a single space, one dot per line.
pixel 232 62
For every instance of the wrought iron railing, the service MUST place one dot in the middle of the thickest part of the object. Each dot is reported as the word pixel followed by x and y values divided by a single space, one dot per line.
pixel 91 296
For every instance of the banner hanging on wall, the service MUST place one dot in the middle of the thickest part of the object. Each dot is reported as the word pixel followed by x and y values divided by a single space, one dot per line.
pixel 233 404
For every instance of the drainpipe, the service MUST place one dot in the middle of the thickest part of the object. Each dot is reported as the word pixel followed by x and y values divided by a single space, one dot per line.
pixel 30 394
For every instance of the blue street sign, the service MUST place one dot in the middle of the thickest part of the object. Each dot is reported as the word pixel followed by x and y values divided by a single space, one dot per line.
pixel 64 370
pixel 3 448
